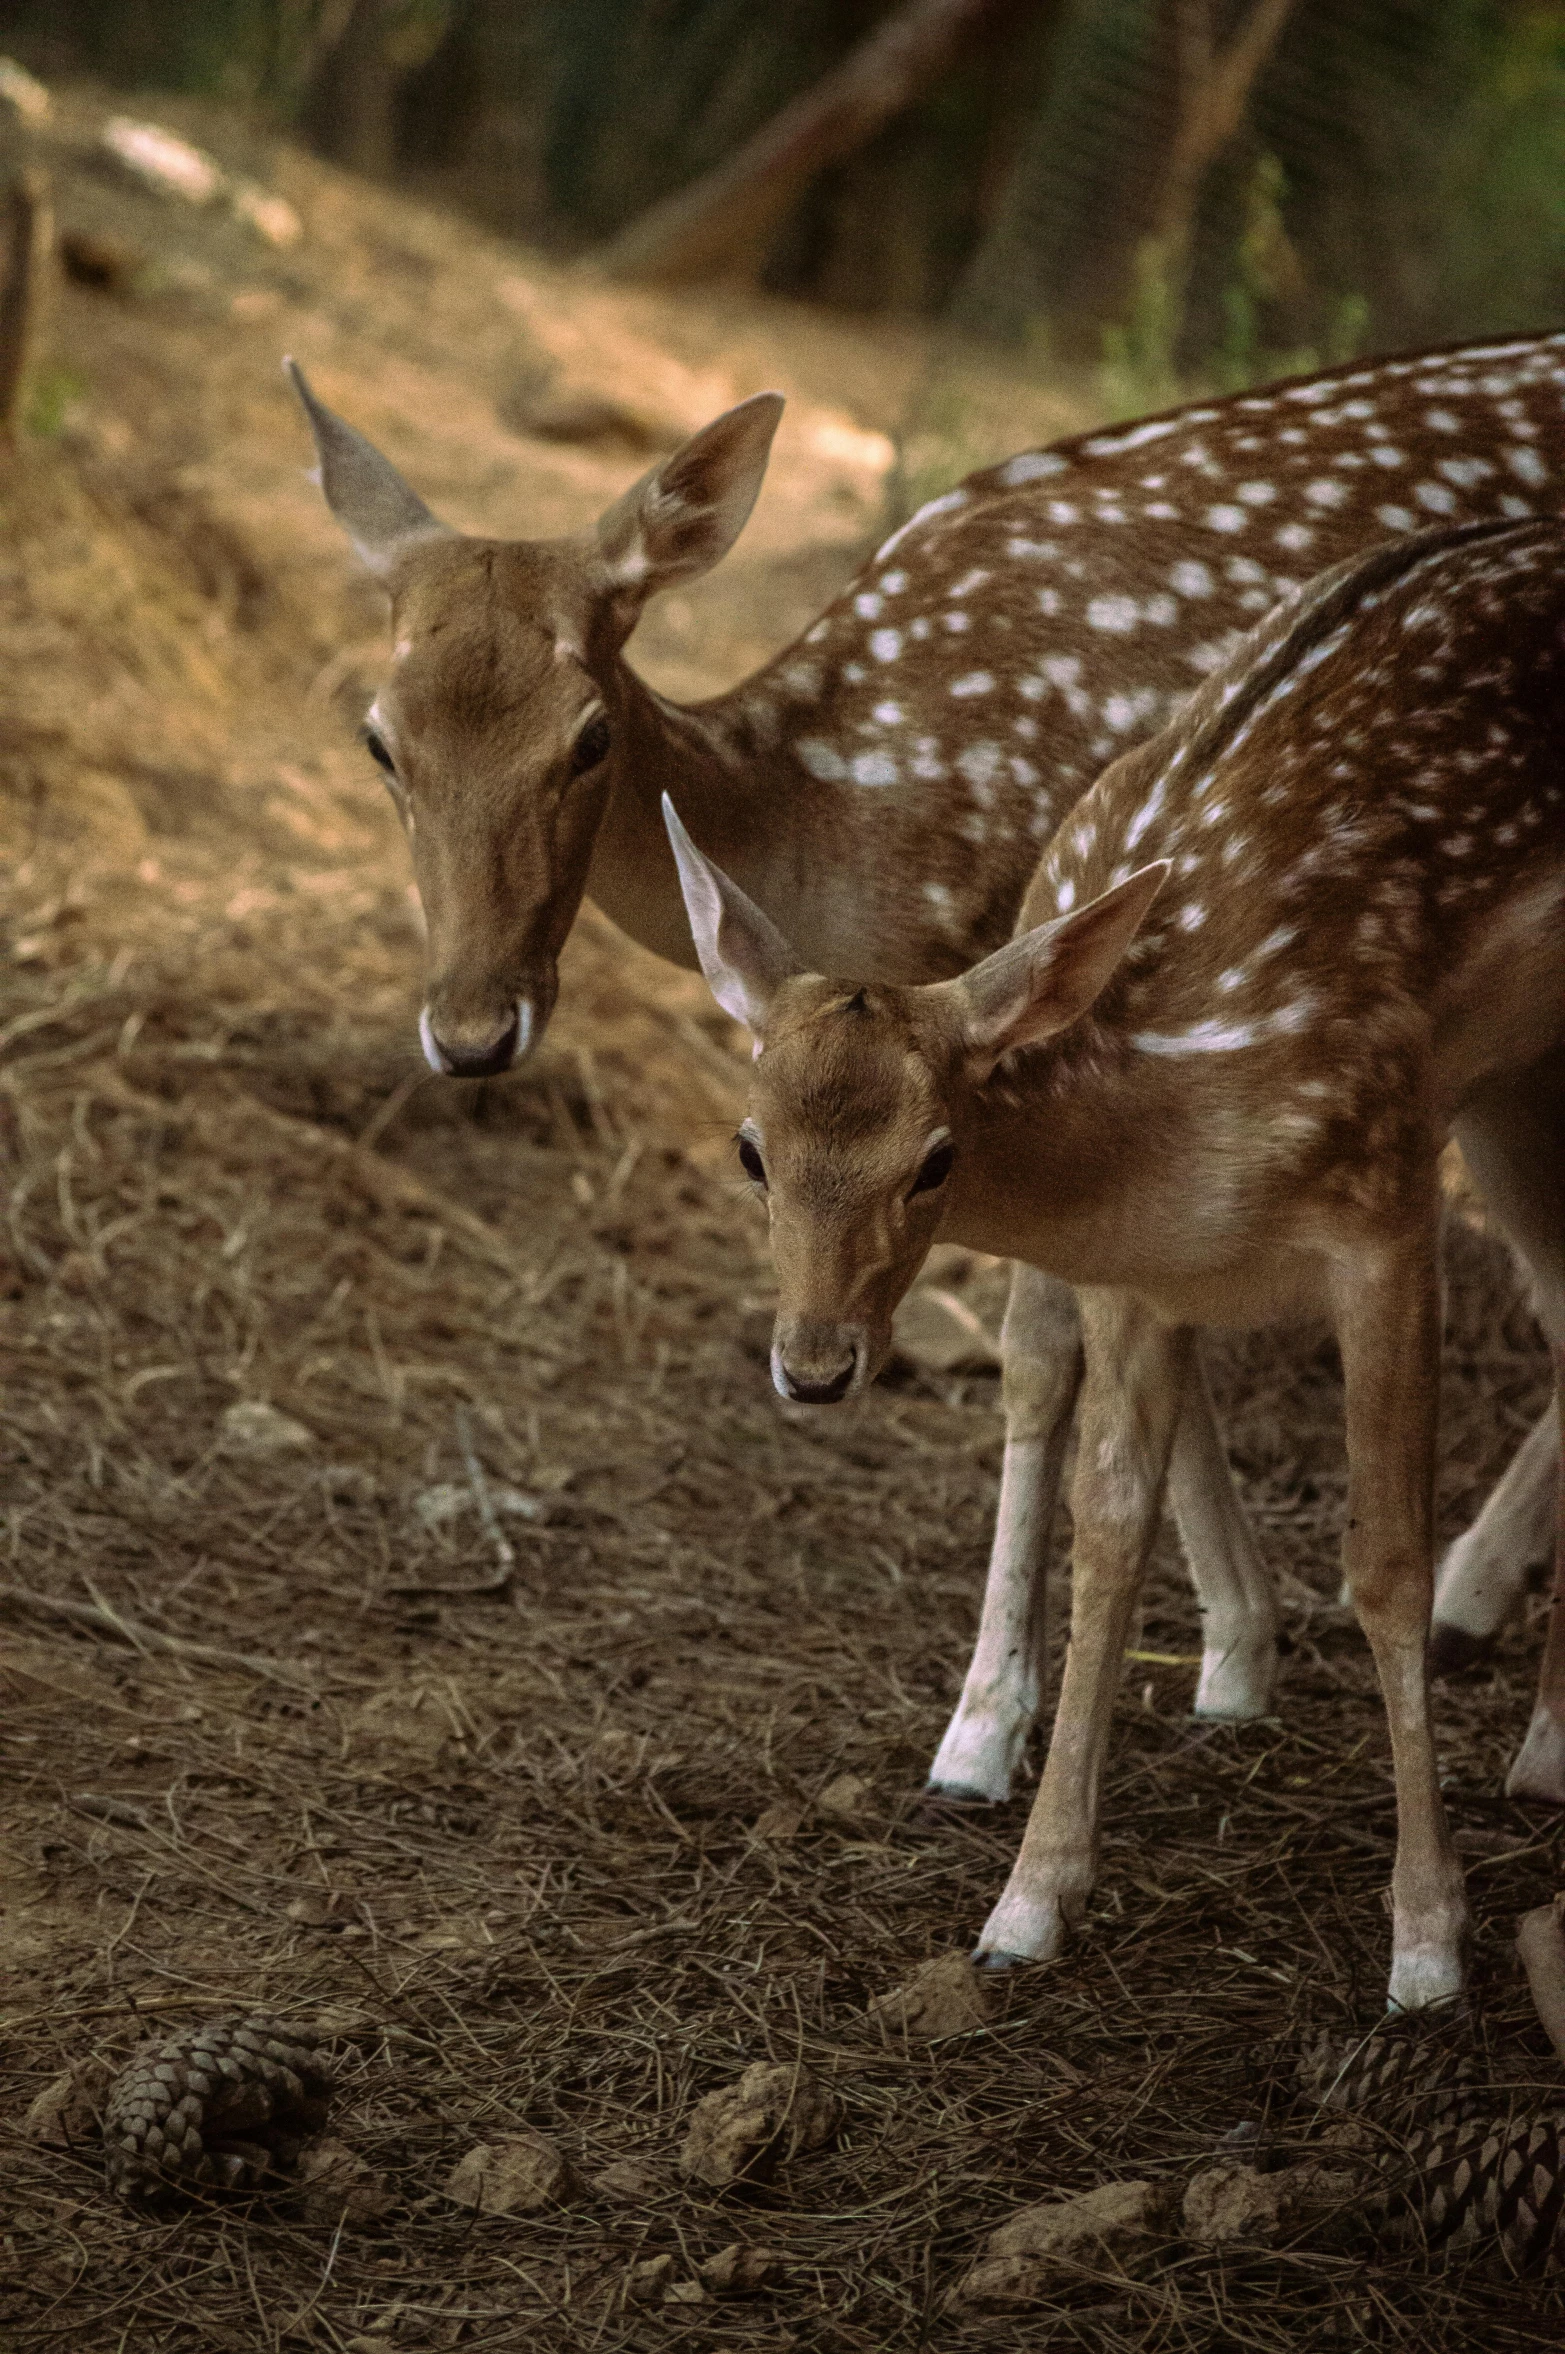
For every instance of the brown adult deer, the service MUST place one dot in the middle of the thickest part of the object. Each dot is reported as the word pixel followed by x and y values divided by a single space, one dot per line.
pixel 884 786
pixel 1270 963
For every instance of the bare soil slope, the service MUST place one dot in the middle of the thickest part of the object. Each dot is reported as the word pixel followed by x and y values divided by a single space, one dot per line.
pixel 565 1842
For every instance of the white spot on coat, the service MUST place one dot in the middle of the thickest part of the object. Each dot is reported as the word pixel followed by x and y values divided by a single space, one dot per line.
pixel 1031 466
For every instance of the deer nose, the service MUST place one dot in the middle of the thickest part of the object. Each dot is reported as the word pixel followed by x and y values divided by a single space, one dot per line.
pixel 816 1389
pixel 479 1059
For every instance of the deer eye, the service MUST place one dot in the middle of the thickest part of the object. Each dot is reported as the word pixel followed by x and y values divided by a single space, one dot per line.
pixel 937 1168
pixel 375 746
pixel 592 745
pixel 751 1162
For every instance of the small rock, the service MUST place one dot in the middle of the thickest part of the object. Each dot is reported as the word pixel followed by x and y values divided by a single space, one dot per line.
pixel 1236 2205
pixel 23 93
pixel 514 2176
pixel 254 1428
pixel 649 2281
pixel 313 1908
pixel 737 2271
pixel 779 1823
pixel 845 1799
pixel 347 2023
pixel 685 2292
pixel 449 1499
pixel 1105 2222
pixel 271 216
pixel 627 2178
pixel 945 1997
pixel 348 1483
pixel 340 2186
pixel 160 161
pixel 744 2131
pixel 1103 2230
pixel 69 2111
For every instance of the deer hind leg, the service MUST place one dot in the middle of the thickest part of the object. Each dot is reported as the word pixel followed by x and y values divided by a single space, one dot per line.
pixel 985 1739
pixel 1513 1139
pixel 1237 1599
pixel 1388 1328
pixel 1135 1388
pixel 1483 1574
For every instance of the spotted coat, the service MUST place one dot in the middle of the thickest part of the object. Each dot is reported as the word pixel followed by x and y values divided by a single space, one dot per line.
pixel 1034 622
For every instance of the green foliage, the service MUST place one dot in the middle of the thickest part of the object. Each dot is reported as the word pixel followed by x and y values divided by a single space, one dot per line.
pixel 1502 186
pixel 51 396
pixel 1140 354
pixel 1143 365
pixel 938 445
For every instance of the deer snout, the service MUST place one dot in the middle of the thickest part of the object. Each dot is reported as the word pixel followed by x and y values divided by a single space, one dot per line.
pixel 818 1366
pixel 466 1051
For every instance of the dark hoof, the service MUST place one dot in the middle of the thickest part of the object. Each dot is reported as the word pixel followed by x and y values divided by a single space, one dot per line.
pixel 996 1959
pixel 963 1794
pixel 1452 1650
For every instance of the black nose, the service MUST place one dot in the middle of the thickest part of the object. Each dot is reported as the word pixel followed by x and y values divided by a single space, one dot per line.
pixel 480 1062
pixel 820 1393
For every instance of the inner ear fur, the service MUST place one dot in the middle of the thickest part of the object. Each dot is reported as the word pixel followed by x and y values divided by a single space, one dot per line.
pixel 376 508
pixel 743 955
pixel 687 511
pixel 1037 985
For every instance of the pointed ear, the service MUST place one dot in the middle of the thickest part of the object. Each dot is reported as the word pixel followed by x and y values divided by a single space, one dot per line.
pixel 688 511
pixel 364 491
pixel 743 955
pixel 1037 985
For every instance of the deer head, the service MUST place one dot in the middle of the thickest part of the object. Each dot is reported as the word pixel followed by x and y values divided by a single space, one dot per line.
pixel 501 726
pixel 861 1097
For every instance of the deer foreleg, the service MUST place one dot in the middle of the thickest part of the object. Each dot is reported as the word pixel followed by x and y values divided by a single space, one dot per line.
pixel 1483 1574
pixel 1388 1328
pixel 1134 1393
pixel 983 1744
pixel 1234 1590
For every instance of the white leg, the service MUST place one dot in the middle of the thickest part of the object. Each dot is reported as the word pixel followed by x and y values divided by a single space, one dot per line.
pixel 1481 1577
pixel 985 1739
pixel 1135 1388
pixel 1234 1590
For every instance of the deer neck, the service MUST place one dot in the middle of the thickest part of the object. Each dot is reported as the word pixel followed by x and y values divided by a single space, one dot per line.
pixel 1066 1162
pixel 736 815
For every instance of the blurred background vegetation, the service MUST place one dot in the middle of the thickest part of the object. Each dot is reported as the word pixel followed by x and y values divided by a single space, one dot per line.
pixel 1179 193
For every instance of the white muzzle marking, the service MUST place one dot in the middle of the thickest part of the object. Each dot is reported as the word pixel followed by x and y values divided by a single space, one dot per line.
pixel 526 1027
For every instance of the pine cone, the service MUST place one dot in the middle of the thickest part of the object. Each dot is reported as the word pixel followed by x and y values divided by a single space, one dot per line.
pixel 1501 2181
pixel 219 2103
pixel 1409 2072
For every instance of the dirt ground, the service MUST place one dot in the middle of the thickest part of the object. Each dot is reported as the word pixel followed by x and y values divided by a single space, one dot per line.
pixel 567 1847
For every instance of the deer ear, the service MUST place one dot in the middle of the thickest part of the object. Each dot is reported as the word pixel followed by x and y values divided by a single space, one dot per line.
pixel 688 511
pixel 1038 984
pixel 743 955
pixel 369 498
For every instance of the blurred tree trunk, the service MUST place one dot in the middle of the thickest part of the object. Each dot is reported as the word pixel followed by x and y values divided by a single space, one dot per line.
pixel 27 247
pixel 1142 98
pixel 1214 89
pixel 723 221
pixel 362 80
